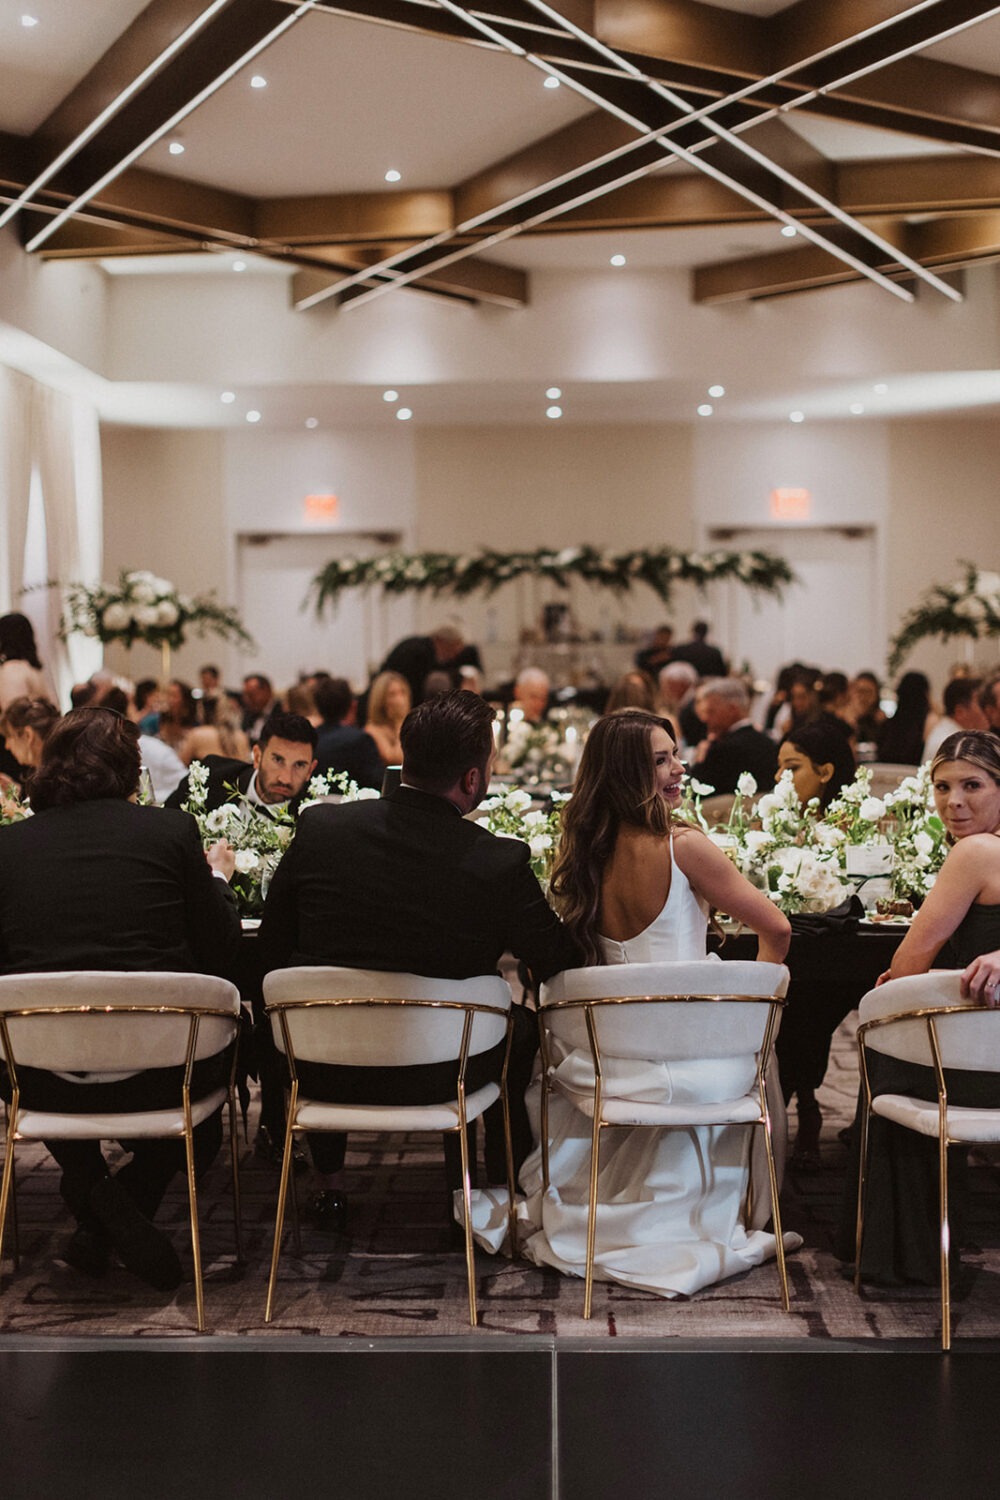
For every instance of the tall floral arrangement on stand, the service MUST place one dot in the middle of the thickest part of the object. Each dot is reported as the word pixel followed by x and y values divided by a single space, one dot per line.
pixel 143 607
pixel 259 841
pixel 968 607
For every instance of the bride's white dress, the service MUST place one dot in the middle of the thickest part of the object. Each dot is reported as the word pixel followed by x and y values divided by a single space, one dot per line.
pixel 670 1201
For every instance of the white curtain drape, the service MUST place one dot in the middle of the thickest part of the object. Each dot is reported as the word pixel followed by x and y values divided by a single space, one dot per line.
pixel 54 437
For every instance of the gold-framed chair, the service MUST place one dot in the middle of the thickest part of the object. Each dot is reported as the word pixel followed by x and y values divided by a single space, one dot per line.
pixel 113 1022
pixel 698 1010
pixel 368 1018
pixel 924 1019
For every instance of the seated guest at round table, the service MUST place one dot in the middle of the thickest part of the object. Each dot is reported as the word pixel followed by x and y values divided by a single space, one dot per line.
pixel 276 777
pixel 25 725
pixel 732 745
pixel 94 881
pixel 821 762
pixel 958 924
pixel 388 705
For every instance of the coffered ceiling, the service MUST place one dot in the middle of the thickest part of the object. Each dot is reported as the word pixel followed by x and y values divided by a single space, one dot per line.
pixel 681 133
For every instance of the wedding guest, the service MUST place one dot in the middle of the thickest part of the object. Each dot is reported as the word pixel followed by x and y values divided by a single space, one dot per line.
pixel 708 661
pixel 962 710
pixel 409 883
pixel 21 675
pixel 957 926
pixel 901 738
pixel 148 703
pixel 341 745
pixel 259 703
pixel 165 767
pixel 388 705
pixel 989 700
pixel 223 736
pixel 678 684
pixel 634 690
pixel 179 717
pixel 93 881
pixel 275 777
pixel 26 724
pixel 821 762
pixel 864 712
pixel 532 688
pixel 654 656
pixel 418 655
pixel 301 699
pixel 732 745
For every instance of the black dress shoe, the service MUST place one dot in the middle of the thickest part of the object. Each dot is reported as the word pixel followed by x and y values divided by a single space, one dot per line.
pixel 88 1250
pixel 327 1211
pixel 141 1248
pixel 267 1149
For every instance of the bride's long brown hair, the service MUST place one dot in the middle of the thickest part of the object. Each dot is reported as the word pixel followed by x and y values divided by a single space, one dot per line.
pixel 616 784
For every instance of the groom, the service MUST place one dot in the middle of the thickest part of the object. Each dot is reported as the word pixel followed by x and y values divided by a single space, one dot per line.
pixel 408 883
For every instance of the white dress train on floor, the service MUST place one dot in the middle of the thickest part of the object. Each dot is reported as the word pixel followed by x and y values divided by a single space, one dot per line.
pixel 670 1201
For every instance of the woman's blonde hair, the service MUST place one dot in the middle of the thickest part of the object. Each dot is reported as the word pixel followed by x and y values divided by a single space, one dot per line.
pixel 379 692
pixel 615 785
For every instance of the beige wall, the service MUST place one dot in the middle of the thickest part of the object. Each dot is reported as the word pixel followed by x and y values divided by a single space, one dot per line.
pixel 163 511
pixel 944 508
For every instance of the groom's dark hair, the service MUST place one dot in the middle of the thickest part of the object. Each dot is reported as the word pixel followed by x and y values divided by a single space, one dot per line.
pixel 444 737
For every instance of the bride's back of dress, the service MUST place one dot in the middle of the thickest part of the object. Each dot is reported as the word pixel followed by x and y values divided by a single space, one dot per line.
pixel 676 933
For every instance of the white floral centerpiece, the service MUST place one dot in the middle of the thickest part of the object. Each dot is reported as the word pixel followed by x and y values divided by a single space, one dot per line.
pixel 143 607
pixel 259 841
pixel 538 751
pixel 511 816
pixel 968 607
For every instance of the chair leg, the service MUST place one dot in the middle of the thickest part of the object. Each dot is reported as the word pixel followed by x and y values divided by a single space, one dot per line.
pixel 595 1162
pixel 862 1186
pixel 234 1153
pixel 945 1242
pixel 6 1194
pixel 511 1184
pixel 779 1239
pixel 470 1261
pixel 286 1163
pixel 199 1291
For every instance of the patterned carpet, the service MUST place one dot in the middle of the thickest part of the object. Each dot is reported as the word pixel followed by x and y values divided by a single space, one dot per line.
pixel 398 1274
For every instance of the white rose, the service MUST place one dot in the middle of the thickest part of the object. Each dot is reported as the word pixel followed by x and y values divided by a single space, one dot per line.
pixel 161 586
pixel 166 613
pixel 828 836
pixel 146 614
pixel 116 617
pixel 533 819
pixel 768 804
pixel 923 843
pixel 971 608
pixel 987 583
pixel 518 801
pixel 540 843
pixel 246 861
pixel 746 786
pixel 756 840
pixel 143 592
pixel 871 809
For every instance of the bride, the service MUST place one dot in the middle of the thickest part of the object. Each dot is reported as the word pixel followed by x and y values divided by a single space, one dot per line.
pixel 636 885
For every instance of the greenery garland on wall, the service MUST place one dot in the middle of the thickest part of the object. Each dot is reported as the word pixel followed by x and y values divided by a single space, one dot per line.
pixel 969 607
pixel 486 571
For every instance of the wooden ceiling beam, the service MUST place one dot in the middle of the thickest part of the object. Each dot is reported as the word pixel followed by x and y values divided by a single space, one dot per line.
pixel 781 272
pixel 348 217
pixel 922 184
pixel 473 280
pixel 96 239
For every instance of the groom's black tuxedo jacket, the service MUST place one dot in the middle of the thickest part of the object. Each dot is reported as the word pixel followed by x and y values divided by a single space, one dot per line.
pixel 406 883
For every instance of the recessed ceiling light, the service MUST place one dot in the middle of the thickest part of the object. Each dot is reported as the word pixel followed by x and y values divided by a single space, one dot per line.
pixel 227 397
pixel 880 389
pixel 553 393
pixel 550 83
pixel 253 416
pixel 390 395
pixel 789 231
pixel 856 408
pixel 553 412
pixel 796 416
pixel 404 414
pixel 176 148
pixel 312 422
pixel 393 176
pixel 239 265
pixel 617 260
pixel 717 391
pixel 29 21
pixel 705 409
pixel 258 81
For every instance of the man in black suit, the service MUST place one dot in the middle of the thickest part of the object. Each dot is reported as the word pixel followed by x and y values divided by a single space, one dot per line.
pixel 341 746
pixel 417 656
pixel 707 660
pixel 732 745
pixel 284 759
pixel 94 881
pixel 407 883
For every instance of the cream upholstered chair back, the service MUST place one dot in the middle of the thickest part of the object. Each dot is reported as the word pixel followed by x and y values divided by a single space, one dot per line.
pixel 715 1029
pixel 886 776
pixel 969 1038
pixel 103 1040
pixel 362 1031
